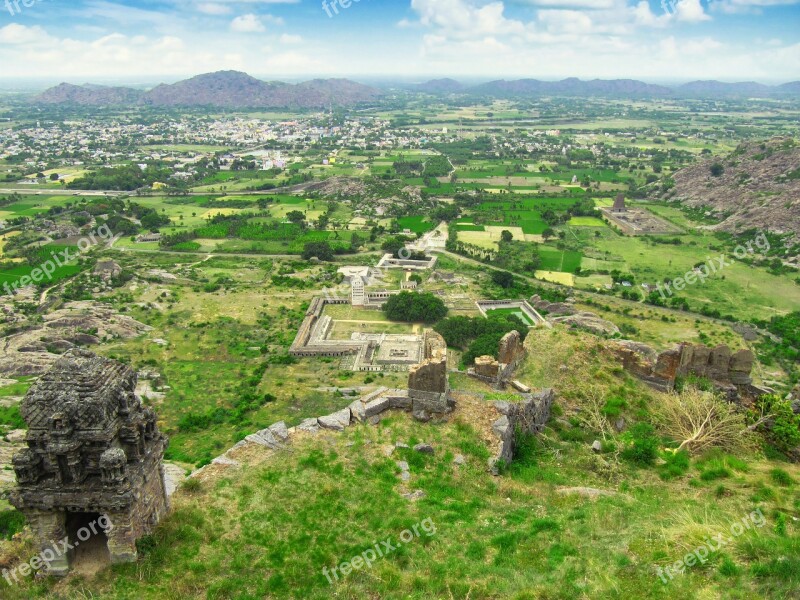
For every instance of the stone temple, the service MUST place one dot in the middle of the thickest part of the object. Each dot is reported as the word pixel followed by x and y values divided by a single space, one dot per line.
pixel 93 451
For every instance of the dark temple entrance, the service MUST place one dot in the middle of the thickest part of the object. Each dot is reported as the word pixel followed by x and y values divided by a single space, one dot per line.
pixel 89 543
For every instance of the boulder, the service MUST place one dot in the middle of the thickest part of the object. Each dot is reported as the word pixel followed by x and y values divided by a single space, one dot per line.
pixel 309 426
pixel 336 421
pixel 424 448
pixel 357 411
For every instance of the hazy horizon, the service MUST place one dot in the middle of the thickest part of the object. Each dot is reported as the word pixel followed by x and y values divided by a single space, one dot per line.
pixel 163 40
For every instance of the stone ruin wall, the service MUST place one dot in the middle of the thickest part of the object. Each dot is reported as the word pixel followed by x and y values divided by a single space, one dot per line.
pixel 527 417
pixel 511 353
pixel 427 382
pixel 729 371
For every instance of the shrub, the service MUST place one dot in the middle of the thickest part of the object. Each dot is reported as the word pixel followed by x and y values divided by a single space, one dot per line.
pixel 784 428
pixel 11 522
pixel 643 448
pixel 675 465
pixel 781 477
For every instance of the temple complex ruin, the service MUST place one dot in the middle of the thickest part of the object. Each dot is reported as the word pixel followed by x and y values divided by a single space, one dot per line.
pixel 636 221
pixel 93 453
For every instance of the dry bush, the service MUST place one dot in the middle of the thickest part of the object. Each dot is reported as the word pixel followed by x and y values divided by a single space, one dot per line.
pixel 700 420
pixel 591 415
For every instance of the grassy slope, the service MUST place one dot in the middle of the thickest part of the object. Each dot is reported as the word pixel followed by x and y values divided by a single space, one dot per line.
pixel 268 531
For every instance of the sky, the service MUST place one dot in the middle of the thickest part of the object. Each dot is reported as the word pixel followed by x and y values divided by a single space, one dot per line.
pixel 150 41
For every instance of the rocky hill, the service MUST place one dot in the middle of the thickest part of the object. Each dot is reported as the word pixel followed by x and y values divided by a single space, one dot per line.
pixel 571 86
pixel 225 89
pixel 758 187
pixel 91 95
pixel 439 86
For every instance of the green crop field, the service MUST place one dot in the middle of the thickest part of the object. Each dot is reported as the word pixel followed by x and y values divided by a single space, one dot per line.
pixel 416 224
pixel 553 259
pixel 14 274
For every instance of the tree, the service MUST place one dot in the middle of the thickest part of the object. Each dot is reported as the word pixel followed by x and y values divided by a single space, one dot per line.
pixel 320 250
pixel 503 278
pixel 296 217
pixel 507 236
pixel 717 169
pixel 412 307
pixel 548 233
pixel 54 177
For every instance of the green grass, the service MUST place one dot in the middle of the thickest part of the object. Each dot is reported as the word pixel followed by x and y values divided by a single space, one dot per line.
pixel 478 536
pixel 553 259
pixel 12 275
pixel 512 311
pixel 586 222
pixel 417 224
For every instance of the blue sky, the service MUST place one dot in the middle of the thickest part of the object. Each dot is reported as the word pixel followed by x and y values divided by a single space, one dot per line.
pixel 154 40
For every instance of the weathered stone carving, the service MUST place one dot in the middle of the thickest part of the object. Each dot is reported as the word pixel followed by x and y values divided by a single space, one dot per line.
pixel 93 451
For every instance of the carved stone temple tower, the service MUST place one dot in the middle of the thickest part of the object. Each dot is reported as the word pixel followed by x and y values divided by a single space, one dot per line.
pixel 93 452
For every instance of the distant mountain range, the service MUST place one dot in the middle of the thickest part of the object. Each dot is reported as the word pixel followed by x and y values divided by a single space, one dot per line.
pixel 224 89
pixel 605 87
pixel 233 89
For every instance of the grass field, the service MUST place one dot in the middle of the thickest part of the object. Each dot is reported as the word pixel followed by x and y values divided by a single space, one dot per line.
pixel 418 224
pixel 512 311
pixel 586 222
pixel 553 259
pixel 567 279
pixel 14 275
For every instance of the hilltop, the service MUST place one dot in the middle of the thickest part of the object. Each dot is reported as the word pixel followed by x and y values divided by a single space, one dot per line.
pixel 225 89
pixel 563 521
pixel 756 186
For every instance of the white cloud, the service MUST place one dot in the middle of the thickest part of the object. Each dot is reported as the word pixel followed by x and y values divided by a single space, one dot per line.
pixel 287 38
pixel 247 24
pixel 20 34
pixel 690 11
pixel 746 6
pixel 460 18
pixel 213 8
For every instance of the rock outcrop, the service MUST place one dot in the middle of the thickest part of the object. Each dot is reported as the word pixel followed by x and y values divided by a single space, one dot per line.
pixel 552 308
pixel 587 321
pixel 37 345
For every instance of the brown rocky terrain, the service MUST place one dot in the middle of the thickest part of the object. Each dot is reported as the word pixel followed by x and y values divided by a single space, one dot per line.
pixel 758 189
pixel 36 344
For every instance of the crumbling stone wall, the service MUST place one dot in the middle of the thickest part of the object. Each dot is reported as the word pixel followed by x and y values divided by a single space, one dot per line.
pixel 427 382
pixel 729 371
pixel 511 353
pixel 527 417
pixel 92 449
pixel 511 350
